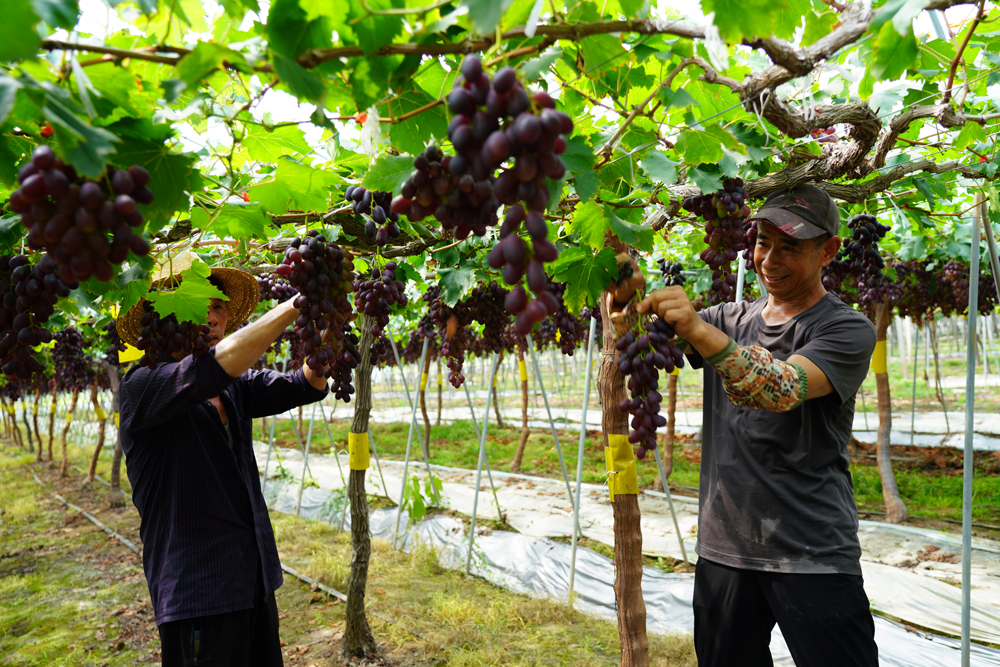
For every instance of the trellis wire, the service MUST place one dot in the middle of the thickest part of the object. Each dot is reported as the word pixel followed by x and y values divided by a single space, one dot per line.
pixel 579 464
pixel 479 471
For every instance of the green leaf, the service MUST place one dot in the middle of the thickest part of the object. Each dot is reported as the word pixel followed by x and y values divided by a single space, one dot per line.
pixel 659 167
pixel 293 183
pixel 57 13
pixel 413 134
pixel 389 173
pixel 374 30
pixel 189 302
pixel 289 33
pixel 705 180
pixel 206 59
pixel 679 98
pixel 456 281
pixel 894 53
pixel 234 221
pixel 579 161
pixel 634 235
pixel 265 145
pixel 732 161
pixel 602 53
pixel 736 18
pixel 704 147
pixel 238 8
pixel 970 132
pixel 531 69
pixel 590 222
pixel 86 147
pixel 300 82
pixel 486 14
pixel 18 39
pixel 586 275
pixel 900 12
pixel 819 25
pixel 8 95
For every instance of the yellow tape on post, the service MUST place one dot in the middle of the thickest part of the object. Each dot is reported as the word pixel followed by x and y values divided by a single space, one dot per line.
pixel 357 449
pixel 34 410
pixel 423 381
pixel 116 420
pixel 558 335
pixel 622 477
pixel 879 361
pixel 439 377
pixel 676 371
pixel 100 414
pixel 69 418
pixel 523 370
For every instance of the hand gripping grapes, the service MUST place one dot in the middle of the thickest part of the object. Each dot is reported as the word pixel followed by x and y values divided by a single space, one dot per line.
pixel 209 553
pixel 777 525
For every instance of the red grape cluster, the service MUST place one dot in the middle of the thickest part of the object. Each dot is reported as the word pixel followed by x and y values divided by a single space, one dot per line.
pixel 70 217
pixel 862 257
pixel 452 325
pixel 374 298
pixel 115 343
pixel 641 358
pixel 672 273
pixel 323 274
pixel 341 369
pixel 167 335
pixel 273 286
pixel 565 323
pixel 953 290
pixel 724 213
pixel 381 225
pixel 29 294
pixel 71 368
pixel 485 303
pixel 824 135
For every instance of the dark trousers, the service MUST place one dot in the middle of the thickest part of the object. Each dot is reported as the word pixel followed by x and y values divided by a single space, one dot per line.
pixel 824 618
pixel 246 638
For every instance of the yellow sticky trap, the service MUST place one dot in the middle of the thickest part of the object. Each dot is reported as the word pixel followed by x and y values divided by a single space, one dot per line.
pixel 558 335
pixel 100 414
pixel 116 420
pixel 439 378
pixel 130 354
pixel 523 370
pixel 357 449
pixel 69 418
pixel 423 382
pixel 622 477
pixel 879 361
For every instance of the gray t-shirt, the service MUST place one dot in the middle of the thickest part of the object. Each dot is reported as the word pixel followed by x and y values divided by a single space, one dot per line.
pixel 776 491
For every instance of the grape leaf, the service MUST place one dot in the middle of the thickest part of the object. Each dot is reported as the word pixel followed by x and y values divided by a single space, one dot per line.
pixel 18 38
pixel 266 145
pixel 705 180
pixel 531 69
pixel 456 281
pixel 206 59
pixel 8 95
pixel 234 221
pixel 57 13
pixel 374 31
pixel 586 275
pixel 412 135
pixel 970 132
pixel 679 98
pixel 705 147
pixel 389 173
pixel 189 301
pixel 579 161
pixel 818 25
pixel 293 183
pixel 589 221
pixel 634 235
pixel 659 167
pixel 485 14
pixel 894 53
pixel 300 82
pixel 602 53
pixel 289 32
pixel 238 8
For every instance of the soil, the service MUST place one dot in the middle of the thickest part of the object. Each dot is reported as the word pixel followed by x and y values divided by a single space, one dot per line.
pixel 942 460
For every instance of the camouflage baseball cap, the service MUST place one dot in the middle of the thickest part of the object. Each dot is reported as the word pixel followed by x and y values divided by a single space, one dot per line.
pixel 802 212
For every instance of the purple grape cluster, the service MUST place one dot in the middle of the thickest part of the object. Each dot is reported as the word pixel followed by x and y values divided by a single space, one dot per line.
pixel 275 287
pixel 114 341
pixel 29 295
pixel 672 273
pixel 165 334
pixel 452 323
pixel 486 306
pixel 323 274
pixel 724 213
pixel 375 204
pixel 71 217
pixel 374 298
pixel 862 257
pixel 72 370
pixel 341 369
pixel 640 359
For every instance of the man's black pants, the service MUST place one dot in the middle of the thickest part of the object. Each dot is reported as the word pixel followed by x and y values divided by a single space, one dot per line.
pixel 247 638
pixel 824 618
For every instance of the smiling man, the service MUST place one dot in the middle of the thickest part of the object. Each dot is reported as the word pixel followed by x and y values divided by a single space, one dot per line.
pixel 209 554
pixel 777 522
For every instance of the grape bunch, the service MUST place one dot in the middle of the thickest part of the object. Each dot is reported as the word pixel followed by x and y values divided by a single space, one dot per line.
pixel 323 274
pixel 953 290
pixel 72 370
pixel 452 325
pixel 71 217
pixel 824 135
pixel 29 295
pixel 672 273
pixel 341 369
pixel 381 225
pixel 486 306
pixel 566 323
pixel 374 298
pixel 114 341
pixel 273 286
pixel 862 257
pixel 167 335
pixel 724 213
pixel 410 353
pixel 750 231
pixel 641 358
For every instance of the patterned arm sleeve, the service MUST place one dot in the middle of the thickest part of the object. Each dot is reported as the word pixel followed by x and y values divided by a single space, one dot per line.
pixel 625 319
pixel 753 378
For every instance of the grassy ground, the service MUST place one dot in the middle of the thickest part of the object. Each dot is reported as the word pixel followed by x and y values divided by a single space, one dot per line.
pixel 69 593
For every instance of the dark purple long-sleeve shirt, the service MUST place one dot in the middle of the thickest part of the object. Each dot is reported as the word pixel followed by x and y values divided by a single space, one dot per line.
pixel 205 527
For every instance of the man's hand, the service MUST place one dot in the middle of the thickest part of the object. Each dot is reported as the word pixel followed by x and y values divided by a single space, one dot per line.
pixel 672 305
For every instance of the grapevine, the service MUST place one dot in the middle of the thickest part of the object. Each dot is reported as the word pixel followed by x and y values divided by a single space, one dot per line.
pixel 70 217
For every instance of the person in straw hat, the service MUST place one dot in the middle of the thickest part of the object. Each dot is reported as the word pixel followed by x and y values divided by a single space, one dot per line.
pixel 208 548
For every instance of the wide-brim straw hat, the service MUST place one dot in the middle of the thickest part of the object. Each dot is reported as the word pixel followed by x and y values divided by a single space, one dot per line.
pixel 239 286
